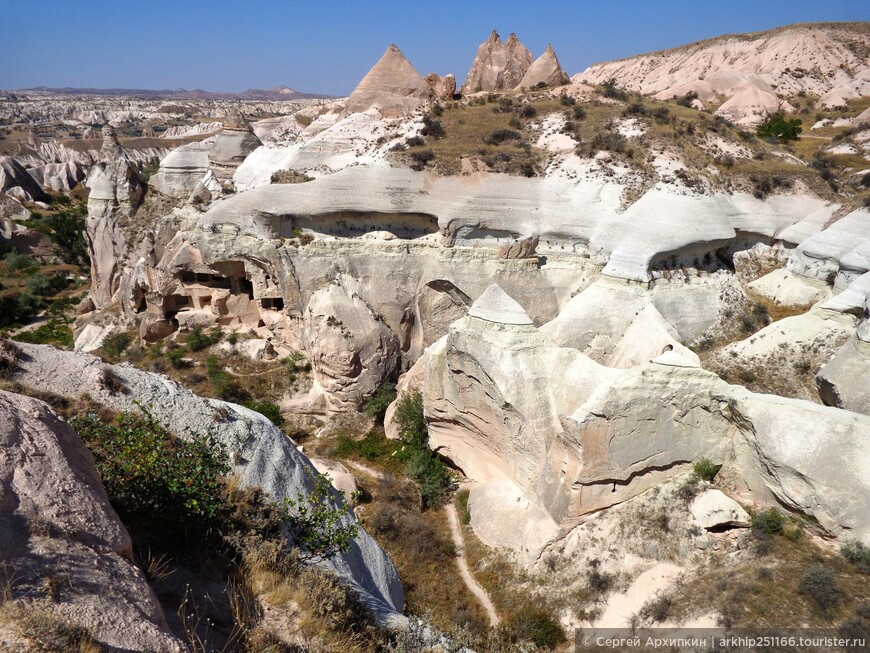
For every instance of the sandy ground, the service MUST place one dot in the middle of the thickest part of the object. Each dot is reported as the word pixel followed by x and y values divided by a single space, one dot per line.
pixel 470 582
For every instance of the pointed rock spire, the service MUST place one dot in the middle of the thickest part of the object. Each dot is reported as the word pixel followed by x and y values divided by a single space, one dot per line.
pixel 392 86
pixel 544 70
pixel 495 305
pixel 498 65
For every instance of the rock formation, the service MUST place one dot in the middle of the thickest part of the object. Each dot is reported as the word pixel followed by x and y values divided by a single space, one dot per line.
pixel 181 170
pixel 392 87
pixel 754 71
pixel 261 454
pixel 116 191
pixel 513 410
pixel 59 177
pixel 518 248
pixel 56 522
pixel 234 142
pixel 17 182
pixel 444 88
pixel 545 70
pixel 498 65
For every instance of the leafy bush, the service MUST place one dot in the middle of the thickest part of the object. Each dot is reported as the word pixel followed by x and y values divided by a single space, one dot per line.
pixel 777 127
pixel 20 263
pixel 373 447
pixel 314 522
pixel 54 332
pixel 578 113
pixel 567 100
pixel 196 340
pixel 116 344
pixel 528 111
pixel 422 464
pixel 858 554
pixel 421 158
pixel 223 383
pixel 432 128
pixel 377 404
pixel 414 141
pixel 464 510
pixel 609 89
pixel 151 475
pixel 268 409
pixel 769 522
pixel 687 99
pixel 534 623
pixel 67 233
pixel 706 470
pixel 819 585
pixel 46 286
pixel 636 109
pixel 500 136
pixel 657 609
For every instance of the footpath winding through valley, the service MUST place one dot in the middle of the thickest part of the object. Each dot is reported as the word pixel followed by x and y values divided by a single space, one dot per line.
pixel 481 594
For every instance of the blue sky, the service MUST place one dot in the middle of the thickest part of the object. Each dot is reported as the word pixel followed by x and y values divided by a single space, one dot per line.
pixel 328 45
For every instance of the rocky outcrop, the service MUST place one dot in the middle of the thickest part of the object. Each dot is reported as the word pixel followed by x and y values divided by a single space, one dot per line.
pixel 392 87
pixel 181 171
pixel 56 522
pixel 352 351
pixel 498 66
pixel 261 455
pixel 59 177
pixel 512 409
pixel 234 142
pixel 17 182
pixel 519 248
pixel 544 71
pixel 116 191
pixel 444 88
pixel 712 509
pixel 755 72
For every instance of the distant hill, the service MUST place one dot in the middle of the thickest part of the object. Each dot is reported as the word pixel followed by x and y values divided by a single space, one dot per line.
pixel 277 93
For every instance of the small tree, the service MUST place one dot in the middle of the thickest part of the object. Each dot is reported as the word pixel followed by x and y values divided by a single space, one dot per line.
pixel 377 404
pixel 777 127
pixel 314 521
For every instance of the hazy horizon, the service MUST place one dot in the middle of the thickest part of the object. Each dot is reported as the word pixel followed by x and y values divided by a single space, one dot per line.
pixel 328 48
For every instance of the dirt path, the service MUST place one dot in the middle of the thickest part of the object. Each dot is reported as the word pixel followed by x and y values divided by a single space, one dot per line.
pixel 38 321
pixel 364 469
pixel 464 571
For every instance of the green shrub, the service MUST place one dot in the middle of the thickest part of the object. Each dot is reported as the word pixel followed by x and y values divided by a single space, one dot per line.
pixel 116 344
pixel 373 447
pixel 268 409
pixel 432 128
pixel 769 522
pixel 197 340
pixel 422 464
pixel 314 521
pixel 420 158
pixel 528 111
pixel 706 470
pixel 20 263
pixel 778 128
pixel 578 113
pixel 858 554
pixel 54 332
pixel 500 136
pixel 657 609
pixel 67 233
pixel 819 585
pixel 223 383
pixel 609 89
pixel 154 477
pixel 377 404
pixel 46 286
pixel 464 510
pixel 534 623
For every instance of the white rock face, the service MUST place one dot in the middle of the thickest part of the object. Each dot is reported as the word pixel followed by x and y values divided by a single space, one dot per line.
pixel 498 66
pixel 713 509
pixel 392 87
pixel 14 176
pixel 180 171
pixel 754 71
pixel 352 351
pixel 55 518
pixel 263 455
pixel 508 406
pixel 59 176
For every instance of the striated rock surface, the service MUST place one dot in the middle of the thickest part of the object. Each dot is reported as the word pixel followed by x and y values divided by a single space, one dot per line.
pixel 498 66
pixel 59 176
pixel 713 509
pixel 508 406
pixel 18 182
pixel 181 171
pixel 755 72
pixel 444 88
pixel 261 454
pixel 116 191
pixel 232 145
pixel 545 70
pixel 56 521
pixel 392 87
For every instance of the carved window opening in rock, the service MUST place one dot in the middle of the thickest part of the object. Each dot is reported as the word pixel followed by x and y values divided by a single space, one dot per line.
pixel 205 301
pixel 352 224
pixel 175 303
pixel 272 303
pixel 243 287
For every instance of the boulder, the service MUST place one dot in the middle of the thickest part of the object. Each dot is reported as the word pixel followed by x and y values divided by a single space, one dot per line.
pixel 444 88
pixel 498 65
pixel 517 248
pixel 712 509
pixel 56 521
pixel 392 87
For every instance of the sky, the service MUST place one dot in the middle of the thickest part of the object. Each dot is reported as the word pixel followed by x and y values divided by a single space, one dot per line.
pixel 327 46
